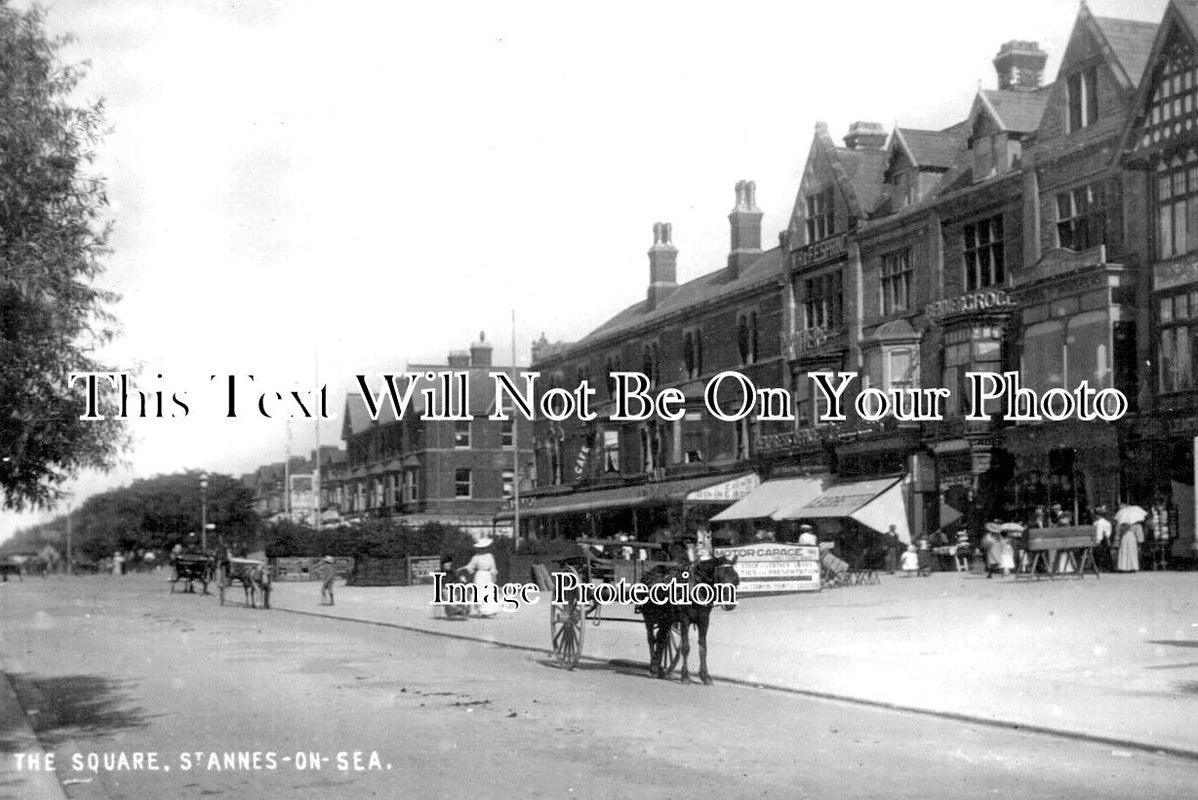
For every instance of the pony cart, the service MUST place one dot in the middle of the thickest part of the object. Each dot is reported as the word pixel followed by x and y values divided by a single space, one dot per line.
pixel 253 575
pixel 192 567
pixel 666 625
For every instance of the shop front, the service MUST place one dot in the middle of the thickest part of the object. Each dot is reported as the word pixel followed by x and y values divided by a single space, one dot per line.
pixel 855 515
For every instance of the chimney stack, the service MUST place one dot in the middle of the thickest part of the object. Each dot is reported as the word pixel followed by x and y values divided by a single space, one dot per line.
pixel 459 359
pixel 1020 66
pixel 480 352
pixel 663 258
pixel 745 220
pixel 865 136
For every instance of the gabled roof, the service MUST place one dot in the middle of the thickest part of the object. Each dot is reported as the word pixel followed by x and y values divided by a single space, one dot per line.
pixel 1131 40
pixel 931 149
pixel 357 419
pixel 863 170
pixel 1015 111
pixel 1185 16
pixel 713 285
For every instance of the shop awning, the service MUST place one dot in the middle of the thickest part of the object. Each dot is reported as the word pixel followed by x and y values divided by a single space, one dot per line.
pixel 770 496
pixel 876 504
pixel 656 493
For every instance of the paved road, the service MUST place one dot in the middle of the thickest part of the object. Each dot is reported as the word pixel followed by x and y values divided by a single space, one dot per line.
pixel 109 665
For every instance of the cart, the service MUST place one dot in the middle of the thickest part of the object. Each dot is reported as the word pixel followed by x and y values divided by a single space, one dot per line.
pixel 191 567
pixel 567 620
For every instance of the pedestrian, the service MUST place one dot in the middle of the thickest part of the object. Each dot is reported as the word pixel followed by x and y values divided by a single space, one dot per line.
pixel 892 544
pixel 962 552
pixel 1130 539
pixel 1007 555
pixel 1102 538
pixel 992 545
pixel 807 535
pixel 910 561
pixel 326 573
pixel 925 557
pixel 484 569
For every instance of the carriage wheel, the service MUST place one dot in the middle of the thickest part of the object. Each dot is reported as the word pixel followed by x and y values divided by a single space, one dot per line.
pixel 565 631
pixel 222 592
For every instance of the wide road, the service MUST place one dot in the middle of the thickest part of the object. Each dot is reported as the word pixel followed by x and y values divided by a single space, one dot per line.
pixel 117 665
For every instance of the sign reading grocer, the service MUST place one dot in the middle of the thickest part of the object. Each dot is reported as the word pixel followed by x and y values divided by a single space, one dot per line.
pixel 974 301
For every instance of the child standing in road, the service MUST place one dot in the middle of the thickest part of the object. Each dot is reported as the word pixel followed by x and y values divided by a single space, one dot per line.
pixel 326 573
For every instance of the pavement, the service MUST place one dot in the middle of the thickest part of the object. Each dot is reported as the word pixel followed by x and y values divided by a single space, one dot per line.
pixel 1111 660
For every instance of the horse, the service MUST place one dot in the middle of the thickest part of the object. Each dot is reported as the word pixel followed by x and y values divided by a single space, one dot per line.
pixel 253 576
pixel 661 618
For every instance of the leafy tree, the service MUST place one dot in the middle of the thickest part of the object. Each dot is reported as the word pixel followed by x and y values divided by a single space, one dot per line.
pixel 53 238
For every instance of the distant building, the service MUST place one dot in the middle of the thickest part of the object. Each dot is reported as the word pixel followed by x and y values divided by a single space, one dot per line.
pixel 416 470
pixel 273 501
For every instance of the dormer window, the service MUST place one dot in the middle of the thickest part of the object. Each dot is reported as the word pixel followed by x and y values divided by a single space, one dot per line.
pixel 820 221
pixel 1081 89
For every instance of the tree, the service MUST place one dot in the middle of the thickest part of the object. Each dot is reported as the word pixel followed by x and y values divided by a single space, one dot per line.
pixel 53 237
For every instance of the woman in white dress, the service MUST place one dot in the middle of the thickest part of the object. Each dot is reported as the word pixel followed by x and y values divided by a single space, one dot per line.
pixel 1129 548
pixel 483 567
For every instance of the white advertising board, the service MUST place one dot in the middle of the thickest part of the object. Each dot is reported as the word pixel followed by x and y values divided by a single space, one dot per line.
pixel 770 567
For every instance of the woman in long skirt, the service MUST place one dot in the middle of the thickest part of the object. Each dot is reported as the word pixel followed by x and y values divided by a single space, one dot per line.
pixel 484 568
pixel 1129 548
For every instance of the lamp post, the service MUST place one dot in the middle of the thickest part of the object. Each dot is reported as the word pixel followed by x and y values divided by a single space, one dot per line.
pixel 204 512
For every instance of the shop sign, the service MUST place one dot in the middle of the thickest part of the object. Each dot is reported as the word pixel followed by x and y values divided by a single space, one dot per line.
pixel 974 301
pixel 823 250
pixel 729 491
pixel 421 568
pixel 1174 274
pixel 770 567
pixel 809 340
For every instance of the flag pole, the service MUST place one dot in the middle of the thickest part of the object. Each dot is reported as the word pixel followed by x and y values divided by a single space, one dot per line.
pixel 316 505
pixel 515 446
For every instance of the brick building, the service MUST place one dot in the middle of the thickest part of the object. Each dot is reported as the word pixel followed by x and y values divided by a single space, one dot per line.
pixel 1049 231
pixel 457 472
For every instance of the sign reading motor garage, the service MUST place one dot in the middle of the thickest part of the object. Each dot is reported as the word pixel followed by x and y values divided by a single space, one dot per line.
pixel 974 301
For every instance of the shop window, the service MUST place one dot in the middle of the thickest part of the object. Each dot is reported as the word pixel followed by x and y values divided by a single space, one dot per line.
pixel 896 282
pixel 462 483
pixel 611 451
pixel 1063 352
pixel 1081 89
pixel 1177 316
pixel 976 348
pixel 461 434
pixel 820 218
pixel 1177 205
pixel 746 337
pixel 984 259
pixel 823 301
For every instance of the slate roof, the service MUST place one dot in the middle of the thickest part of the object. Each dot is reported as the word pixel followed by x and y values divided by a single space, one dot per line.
pixel 1132 42
pixel 713 285
pixel 864 169
pixel 932 149
pixel 1018 112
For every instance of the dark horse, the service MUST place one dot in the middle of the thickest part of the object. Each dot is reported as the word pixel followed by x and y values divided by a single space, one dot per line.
pixel 661 618
pixel 253 576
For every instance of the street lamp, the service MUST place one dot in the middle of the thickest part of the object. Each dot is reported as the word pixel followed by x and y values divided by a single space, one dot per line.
pixel 204 512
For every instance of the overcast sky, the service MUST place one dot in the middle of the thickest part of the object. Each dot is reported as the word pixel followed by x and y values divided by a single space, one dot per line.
pixel 376 182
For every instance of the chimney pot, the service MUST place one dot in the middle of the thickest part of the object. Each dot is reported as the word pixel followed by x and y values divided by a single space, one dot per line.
pixel 663 259
pixel 745 221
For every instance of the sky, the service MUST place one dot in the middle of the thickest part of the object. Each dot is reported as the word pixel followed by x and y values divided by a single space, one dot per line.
pixel 308 191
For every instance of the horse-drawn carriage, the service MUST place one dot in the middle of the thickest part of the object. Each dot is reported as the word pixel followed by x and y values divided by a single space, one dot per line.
pixel 253 575
pixel 192 567
pixel 666 624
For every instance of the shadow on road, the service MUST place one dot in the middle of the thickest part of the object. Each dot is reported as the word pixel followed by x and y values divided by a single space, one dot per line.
pixel 1175 642
pixel 67 706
